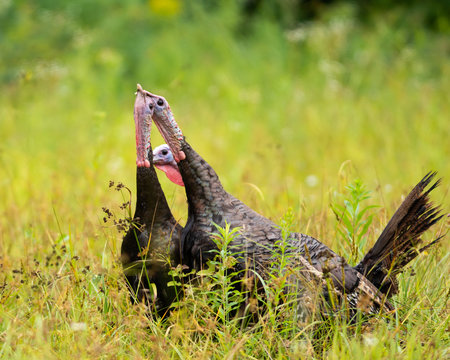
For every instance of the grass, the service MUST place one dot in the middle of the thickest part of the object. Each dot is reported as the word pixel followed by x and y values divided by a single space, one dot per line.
pixel 287 118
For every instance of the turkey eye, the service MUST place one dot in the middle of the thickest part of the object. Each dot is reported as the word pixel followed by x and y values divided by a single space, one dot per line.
pixel 160 102
pixel 164 152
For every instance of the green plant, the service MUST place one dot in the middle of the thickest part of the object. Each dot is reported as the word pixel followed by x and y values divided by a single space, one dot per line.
pixel 279 290
pixel 354 218
pixel 216 288
pixel 224 288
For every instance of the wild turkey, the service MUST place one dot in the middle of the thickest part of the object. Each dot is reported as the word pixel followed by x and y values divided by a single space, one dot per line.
pixel 210 204
pixel 154 235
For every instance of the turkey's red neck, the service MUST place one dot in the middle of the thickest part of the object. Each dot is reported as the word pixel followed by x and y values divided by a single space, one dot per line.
pixel 143 111
pixel 151 204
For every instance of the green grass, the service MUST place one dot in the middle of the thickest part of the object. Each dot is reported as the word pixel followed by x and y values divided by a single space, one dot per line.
pixel 287 119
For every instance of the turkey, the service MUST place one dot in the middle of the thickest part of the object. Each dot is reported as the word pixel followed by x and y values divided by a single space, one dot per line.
pixel 154 235
pixel 209 204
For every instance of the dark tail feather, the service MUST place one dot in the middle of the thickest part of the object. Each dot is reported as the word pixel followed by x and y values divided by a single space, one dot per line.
pixel 397 244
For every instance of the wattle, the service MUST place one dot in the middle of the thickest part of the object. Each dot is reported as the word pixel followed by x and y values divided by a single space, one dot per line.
pixel 172 173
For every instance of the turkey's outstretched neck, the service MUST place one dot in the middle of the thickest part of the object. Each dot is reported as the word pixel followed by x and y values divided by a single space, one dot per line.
pixel 151 204
pixel 203 186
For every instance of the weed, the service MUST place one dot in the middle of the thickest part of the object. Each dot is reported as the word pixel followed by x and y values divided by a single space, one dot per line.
pixel 354 218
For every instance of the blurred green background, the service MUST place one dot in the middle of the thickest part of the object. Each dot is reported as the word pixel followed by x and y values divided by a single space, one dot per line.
pixel 287 100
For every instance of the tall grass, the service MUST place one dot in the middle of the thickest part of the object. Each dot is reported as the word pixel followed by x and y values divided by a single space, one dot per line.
pixel 275 112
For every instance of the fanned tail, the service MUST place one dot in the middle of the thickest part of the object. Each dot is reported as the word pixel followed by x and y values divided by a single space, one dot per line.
pixel 399 241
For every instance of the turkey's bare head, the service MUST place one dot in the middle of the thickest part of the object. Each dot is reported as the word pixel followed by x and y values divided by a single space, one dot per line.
pixel 164 161
pixel 168 127
pixel 144 107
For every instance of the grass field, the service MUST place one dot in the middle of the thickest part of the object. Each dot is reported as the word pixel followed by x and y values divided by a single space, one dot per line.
pixel 288 119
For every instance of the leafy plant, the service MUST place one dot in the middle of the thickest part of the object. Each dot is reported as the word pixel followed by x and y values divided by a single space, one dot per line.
pixel 281 265
pixel 354 218
pixel 215 289
pixel 224 280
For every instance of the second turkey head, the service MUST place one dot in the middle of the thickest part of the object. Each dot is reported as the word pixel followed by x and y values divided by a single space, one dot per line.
pixel 164 161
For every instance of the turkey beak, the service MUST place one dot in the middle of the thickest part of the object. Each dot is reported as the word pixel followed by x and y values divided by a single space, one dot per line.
pixel 143 111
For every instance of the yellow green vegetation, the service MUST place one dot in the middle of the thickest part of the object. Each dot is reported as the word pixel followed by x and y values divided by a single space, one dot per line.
pixel 287 117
